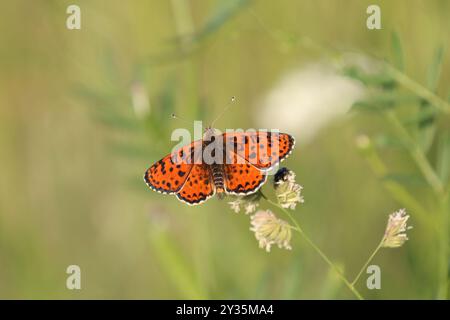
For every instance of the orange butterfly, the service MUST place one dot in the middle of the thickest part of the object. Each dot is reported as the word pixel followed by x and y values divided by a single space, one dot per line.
pixel 237 165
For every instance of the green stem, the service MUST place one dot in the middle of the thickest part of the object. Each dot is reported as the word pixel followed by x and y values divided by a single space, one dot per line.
pixel 367 262
pixel 398 75
pixel 397 191
pixel 444 250
pixel 316 248
pixel 439 189
pixel 417 88
pixel 417 154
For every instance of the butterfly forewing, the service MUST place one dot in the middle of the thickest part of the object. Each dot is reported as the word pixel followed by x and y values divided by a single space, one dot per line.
pixel 169 174
pixel 260 148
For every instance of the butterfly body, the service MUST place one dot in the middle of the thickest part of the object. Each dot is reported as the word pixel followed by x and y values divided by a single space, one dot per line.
pixel 229 163
pixel 218 177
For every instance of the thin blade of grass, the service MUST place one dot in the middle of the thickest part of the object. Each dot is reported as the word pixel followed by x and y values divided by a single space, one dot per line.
pixel 443 157
pixel 397 51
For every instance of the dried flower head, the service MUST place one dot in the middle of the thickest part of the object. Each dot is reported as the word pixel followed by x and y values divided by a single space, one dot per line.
pixel 235 205
pixel 247 203
pixel 395 234
pixel 288 192
pixel 269 230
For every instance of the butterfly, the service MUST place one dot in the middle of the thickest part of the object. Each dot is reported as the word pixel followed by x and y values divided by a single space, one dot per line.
pixel 237 164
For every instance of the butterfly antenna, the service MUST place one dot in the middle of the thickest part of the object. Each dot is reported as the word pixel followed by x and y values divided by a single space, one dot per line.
pixel 229 104
pixel 174 116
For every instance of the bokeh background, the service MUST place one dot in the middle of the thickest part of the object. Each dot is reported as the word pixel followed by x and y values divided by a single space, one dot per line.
pixel 84 112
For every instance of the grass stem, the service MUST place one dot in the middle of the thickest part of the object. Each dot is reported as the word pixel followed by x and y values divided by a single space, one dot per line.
pixel 417 154
pixel 418 89
pixel 367 262
pixel 316 248
pixel 444 250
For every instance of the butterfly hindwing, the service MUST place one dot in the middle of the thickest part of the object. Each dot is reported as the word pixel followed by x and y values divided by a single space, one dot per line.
pixel 262 149
pixel 243 178
pixel 198 187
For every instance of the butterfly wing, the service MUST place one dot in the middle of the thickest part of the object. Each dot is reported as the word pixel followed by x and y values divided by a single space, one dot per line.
pixel 169 174
pixel 260 148
pixel 248 156
pixel 198 187
pixel 242 179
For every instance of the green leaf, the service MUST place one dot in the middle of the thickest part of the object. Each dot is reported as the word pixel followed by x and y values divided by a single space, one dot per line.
pixel 384 101
pixel 434 71
pixel 365 106
pixel 405 179
pixel 425 123
pixel 426 136
pixel 223 14
pixel 382 80
pixel 421 119
pixel 427 127
pixel 388 141
pixel 443 157
pixel 397 52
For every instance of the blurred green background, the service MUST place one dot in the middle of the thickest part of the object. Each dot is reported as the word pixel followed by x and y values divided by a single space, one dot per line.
pixel 84 112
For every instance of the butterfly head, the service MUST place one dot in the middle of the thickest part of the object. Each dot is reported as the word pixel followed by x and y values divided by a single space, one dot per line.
pixel 209 133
